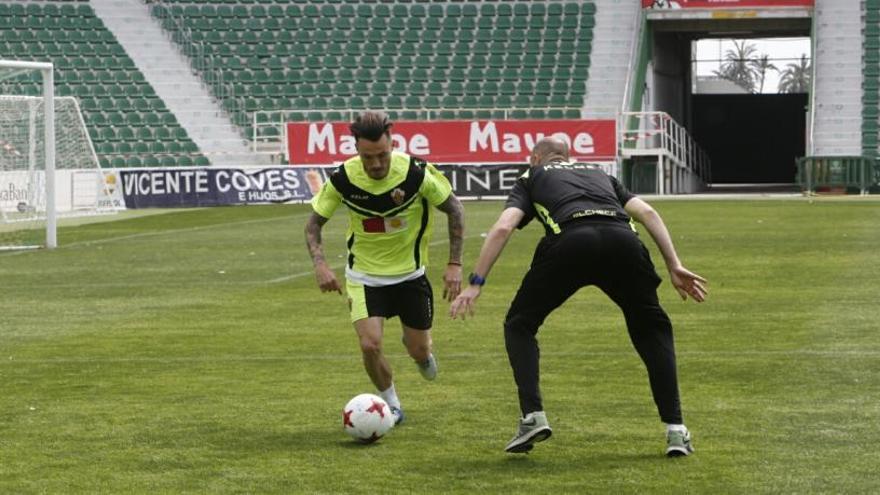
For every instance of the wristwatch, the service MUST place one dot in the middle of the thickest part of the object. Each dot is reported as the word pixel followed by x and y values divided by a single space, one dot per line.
pixel 475 279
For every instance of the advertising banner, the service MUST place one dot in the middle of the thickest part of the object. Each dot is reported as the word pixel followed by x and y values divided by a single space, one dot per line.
pixel 76 190
pixel 478 141
pixel 473 181
pixel 491 180
pixel 181 187
pixel 723 4
pixel 187 187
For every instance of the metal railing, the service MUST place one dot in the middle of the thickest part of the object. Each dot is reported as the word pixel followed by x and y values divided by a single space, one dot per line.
pixel 682 165
pixel 844 172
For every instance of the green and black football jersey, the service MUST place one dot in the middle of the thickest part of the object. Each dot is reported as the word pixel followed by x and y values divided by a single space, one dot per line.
pixel 390 220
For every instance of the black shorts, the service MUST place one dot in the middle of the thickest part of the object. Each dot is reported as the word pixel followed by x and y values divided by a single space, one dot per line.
pixel 412 301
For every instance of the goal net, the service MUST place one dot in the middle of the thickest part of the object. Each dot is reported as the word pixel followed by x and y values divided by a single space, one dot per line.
pixel 42 138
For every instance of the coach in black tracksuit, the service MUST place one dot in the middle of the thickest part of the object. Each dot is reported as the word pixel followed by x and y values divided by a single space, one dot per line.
pixel 589 241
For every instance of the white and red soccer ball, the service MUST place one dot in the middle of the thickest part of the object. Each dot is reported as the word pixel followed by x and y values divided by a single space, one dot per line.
pixel 367 418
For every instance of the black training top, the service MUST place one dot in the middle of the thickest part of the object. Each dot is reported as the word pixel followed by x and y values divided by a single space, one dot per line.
pixel 561 192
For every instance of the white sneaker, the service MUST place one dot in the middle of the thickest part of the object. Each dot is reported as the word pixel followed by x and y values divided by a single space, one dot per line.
pixel 428 369
pixel 678 443
pixel 532 429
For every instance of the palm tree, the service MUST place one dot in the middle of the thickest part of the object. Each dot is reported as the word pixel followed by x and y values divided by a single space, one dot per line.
pixel 736 66
pixel 796 77
pixel 759 67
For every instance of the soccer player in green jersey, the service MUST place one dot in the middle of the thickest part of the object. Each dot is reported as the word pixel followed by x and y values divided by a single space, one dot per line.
pixel 390 198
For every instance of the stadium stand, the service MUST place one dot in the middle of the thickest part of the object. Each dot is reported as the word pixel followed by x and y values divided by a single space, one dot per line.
pixel 837 90
pixel 128 123
pixel 871 79
pixel 460 59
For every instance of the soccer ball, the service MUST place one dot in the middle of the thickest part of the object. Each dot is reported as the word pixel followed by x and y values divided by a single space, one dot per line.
pixel 367 418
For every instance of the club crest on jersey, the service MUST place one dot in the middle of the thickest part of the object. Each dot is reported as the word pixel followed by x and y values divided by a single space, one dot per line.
pixel 397 196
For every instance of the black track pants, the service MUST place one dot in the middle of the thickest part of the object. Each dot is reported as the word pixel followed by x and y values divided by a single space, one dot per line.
pixel 613 258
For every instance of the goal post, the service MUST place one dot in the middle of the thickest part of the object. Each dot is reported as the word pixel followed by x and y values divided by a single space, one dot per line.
pixel 27 210
pixel 43 140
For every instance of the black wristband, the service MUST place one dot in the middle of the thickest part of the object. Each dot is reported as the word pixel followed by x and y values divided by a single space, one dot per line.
pixel 475 279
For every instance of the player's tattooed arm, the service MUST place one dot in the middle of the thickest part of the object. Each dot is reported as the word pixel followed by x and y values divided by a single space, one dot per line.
pixel 323 274
pixel 455 214
pixel 313 238
pixel 452 275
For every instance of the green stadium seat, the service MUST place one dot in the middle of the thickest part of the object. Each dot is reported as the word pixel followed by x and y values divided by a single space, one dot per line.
pixel 463 47
pixel 141 147
pixel 393 101
pixel 456 74
pixel 125 134
pixel 537 113
pixel 486 101
pixel 189 146
pixel 123 147
pixel 473 88
pixel 161 132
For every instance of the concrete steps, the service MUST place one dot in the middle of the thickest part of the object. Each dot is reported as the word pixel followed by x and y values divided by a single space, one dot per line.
pixel 170 74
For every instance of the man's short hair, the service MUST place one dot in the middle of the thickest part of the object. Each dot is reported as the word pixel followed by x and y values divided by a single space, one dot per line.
pixel 371 126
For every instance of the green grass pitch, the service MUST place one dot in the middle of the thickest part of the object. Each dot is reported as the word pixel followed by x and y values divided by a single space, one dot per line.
pixel 191 352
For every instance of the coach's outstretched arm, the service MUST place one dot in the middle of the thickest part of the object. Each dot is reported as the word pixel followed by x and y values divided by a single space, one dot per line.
pixel 452 275
pixel 323 273
pixel 491 250
pixel 685 282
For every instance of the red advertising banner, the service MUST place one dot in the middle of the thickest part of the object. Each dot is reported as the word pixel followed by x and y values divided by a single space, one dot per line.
pixel 457 141
pixel 723 4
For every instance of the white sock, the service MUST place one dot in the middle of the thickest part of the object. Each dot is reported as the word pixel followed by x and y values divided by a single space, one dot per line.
pixel 678 428
pixel 390 396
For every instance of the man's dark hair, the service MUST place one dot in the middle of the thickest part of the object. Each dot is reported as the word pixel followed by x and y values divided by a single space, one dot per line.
pixel 371 126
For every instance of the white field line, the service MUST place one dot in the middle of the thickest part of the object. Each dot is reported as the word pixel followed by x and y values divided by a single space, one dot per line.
pixel 354 356
pixel 181 231
pixel 160 233
pixel 340 266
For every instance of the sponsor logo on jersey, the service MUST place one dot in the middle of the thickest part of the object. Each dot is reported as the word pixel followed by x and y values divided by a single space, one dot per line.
pixel 379 225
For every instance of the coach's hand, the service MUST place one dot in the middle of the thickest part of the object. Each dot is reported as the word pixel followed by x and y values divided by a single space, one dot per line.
pixel 464 304
pixel 327 278
pixel 451 282
pixel 688 283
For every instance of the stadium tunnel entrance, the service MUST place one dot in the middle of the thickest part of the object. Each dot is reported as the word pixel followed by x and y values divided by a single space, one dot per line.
pixel 751 137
